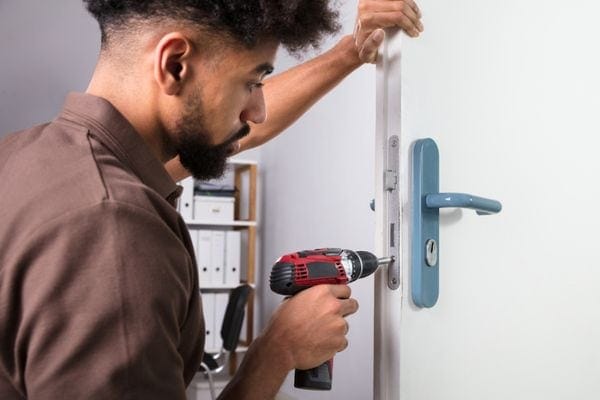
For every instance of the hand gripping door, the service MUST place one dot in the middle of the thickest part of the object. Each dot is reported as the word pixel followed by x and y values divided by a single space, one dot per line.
pixel 426 204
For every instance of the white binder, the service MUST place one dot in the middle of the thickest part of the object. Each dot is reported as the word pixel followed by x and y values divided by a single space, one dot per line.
pixel 232 258
pixel 186 200
pixel 218 258
pixel 203 257
pixel 208 307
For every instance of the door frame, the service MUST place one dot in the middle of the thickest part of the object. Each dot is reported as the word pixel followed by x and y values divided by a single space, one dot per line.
pixel 388 302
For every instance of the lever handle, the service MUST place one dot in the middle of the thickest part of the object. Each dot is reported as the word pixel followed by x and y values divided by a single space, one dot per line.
pixel 426 201
pixel 481 205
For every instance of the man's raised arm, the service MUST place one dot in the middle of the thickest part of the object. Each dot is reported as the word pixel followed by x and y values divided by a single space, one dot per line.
pixel 290 94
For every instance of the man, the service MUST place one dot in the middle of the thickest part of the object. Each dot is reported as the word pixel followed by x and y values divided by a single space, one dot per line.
pixel 99 289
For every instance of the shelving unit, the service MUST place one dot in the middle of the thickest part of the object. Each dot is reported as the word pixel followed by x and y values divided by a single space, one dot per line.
pixel 244 220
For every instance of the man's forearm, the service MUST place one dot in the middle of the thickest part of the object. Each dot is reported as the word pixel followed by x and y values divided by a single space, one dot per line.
pixel 291 93
pixel 260 375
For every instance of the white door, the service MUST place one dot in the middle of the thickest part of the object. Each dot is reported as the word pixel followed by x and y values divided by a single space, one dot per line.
pixel 510 91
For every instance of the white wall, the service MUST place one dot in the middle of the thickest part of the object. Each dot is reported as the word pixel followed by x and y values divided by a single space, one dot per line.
pixel 47 48
pixel 318 182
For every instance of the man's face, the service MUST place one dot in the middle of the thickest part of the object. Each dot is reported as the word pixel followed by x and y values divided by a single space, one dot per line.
pixel 227 96
pixel 194 145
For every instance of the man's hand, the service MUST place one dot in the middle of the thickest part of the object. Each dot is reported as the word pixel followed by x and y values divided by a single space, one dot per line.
pixel 310 327
pixel 374 15
pixel 305 331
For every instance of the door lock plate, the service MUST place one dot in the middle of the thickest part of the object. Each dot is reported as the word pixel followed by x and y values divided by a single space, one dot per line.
pixel 425 237
pixel 390 184
pixel 427 201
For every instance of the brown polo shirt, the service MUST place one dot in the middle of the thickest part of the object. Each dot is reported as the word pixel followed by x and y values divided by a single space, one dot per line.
pixel 98 284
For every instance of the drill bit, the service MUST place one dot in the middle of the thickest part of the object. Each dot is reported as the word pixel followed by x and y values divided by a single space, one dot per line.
pixel 385 260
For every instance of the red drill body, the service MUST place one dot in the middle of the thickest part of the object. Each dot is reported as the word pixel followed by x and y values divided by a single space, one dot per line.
pixel 310 269
pixel 295 272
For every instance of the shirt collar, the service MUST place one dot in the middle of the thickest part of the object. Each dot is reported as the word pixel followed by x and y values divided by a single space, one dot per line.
pixel 105 122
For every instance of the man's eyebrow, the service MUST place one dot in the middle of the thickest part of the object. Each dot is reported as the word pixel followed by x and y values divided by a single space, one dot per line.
pixel 264 68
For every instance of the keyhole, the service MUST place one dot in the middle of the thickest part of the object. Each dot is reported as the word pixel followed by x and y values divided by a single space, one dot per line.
pixel 431 253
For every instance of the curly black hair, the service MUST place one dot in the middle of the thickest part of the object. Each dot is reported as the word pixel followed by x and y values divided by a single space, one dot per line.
pixel 296 24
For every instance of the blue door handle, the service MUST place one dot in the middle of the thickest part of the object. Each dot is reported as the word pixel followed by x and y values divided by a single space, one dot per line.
pixel 426 203
pixel 481 205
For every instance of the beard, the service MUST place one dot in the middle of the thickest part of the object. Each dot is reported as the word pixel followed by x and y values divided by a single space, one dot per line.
pixel 202 159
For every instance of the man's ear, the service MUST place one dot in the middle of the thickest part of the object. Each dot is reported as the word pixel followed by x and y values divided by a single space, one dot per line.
pixel 172 66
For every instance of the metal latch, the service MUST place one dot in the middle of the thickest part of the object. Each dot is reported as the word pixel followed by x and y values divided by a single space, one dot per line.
pixel 390 185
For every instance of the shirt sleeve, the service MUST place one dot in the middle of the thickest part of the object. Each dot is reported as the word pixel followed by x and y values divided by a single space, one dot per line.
pixel 110 308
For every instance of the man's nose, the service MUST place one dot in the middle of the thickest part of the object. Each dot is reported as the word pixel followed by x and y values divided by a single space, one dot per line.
pixel 255 111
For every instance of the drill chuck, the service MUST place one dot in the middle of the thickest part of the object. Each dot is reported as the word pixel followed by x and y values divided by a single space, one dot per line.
pixel 367 262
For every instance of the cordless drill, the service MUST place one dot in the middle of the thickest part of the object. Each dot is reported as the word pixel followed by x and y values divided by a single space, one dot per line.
pixel 295 272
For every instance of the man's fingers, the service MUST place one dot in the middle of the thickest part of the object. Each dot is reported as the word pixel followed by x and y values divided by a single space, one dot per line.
pixel 373 20
pixel 414 18
pixel 377 14
pixel 368 52
pixel 369 22
pixel 417 9
pixel 388 5
pixel 349 306
pixel 340 291
pixel 405 19
pixel 343 346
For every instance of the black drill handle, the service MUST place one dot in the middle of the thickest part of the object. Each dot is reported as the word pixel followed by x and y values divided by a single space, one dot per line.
pixel 318 378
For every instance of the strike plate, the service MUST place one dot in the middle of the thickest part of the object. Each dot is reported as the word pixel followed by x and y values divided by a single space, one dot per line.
pixel 390 184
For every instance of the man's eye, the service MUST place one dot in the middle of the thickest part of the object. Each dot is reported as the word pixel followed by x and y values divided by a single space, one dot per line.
pixel 255 85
